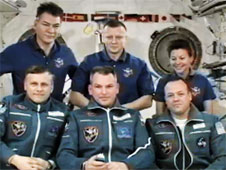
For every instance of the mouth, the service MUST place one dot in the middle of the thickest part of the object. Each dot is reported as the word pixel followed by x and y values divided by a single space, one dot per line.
pixel 104 98
pixel 39 95
pixel 177 105
pixel 50 36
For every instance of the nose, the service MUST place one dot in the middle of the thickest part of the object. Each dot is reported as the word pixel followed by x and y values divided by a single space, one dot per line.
pixel 51 29
pixel 113 40
pixel 39 88
pixel 175 98
pixel 103 90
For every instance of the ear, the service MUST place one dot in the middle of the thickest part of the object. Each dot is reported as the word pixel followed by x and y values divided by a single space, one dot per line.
pixel 190 96
pixel 192 60
pixel 25 85
pixel 52 89
pixel 34 25
pixel 118 87
pixel 90 89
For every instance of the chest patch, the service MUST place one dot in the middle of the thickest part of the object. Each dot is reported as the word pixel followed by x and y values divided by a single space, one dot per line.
pixel 124 132
pixel 166 146
pixel 59 62
pixel 18 128
pixel 201 142
pixel 195 91
pixel 90 133
pixel 128 72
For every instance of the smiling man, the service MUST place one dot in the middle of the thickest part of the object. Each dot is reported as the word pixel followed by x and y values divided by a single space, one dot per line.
pixel 183 137
pixel 41 49
pixel 31 124
pixel 136 86
pixel 104 135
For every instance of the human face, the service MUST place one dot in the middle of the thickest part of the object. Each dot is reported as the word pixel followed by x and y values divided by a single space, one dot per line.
pixel 104 89
pixel 47 28
pixel 181 61
pixel 178 98
pixel 38 87
pixel 114 40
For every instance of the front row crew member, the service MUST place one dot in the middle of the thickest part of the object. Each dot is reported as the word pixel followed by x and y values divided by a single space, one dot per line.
pixel 183 137
pixel 105 135
pixel 31 124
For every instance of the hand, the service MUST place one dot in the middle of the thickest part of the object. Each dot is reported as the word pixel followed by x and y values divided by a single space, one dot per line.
pixel 92 164
pixel 28 163
pixel 42 163
pixel 117 166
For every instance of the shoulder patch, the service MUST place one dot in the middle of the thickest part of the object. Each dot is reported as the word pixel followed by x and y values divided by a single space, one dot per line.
pixel 220 128
pixel 2 108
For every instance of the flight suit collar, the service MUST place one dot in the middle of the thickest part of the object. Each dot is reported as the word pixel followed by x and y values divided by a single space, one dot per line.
pixel 37 107
pixel 194 115
pixel 94 105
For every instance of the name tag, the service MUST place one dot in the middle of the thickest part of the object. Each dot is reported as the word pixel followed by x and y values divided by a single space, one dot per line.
pixel 199 126
pixel 126 116
pixel 56 113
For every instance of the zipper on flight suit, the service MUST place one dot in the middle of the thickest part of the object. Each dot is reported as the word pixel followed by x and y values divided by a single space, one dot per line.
pixel 109 134
pixel 37 131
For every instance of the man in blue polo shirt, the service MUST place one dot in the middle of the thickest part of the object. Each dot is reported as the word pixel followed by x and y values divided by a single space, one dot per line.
pixel 41 49
pixel 136 86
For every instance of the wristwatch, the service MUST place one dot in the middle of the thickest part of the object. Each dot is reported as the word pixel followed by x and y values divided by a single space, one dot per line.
pixel 52 165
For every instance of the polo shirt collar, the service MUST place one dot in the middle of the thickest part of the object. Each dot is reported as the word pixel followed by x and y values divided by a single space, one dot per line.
pixel 191 74
pixel 38 48
pixel 106 57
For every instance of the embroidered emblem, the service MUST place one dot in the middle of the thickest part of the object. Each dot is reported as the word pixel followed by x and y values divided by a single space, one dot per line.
pixel 128 72
pixel 59 62
pixel 166 146
pixel 90 113
pixel 124 132
pixel 53 131
pixel 18 128
pixel 201 142
pixel 195 91
pixel 220 128
pixel 90 133
pixel 21 107
pixel 2 108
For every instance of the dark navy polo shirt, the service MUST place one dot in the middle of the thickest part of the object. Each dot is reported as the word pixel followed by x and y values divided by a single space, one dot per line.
pixel 199 84
pixel 134 76
pixel 18 57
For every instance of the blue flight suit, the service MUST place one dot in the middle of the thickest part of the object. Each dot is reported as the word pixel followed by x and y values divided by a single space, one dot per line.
pixel 30 129
pixel 115 132
pixel 202 145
